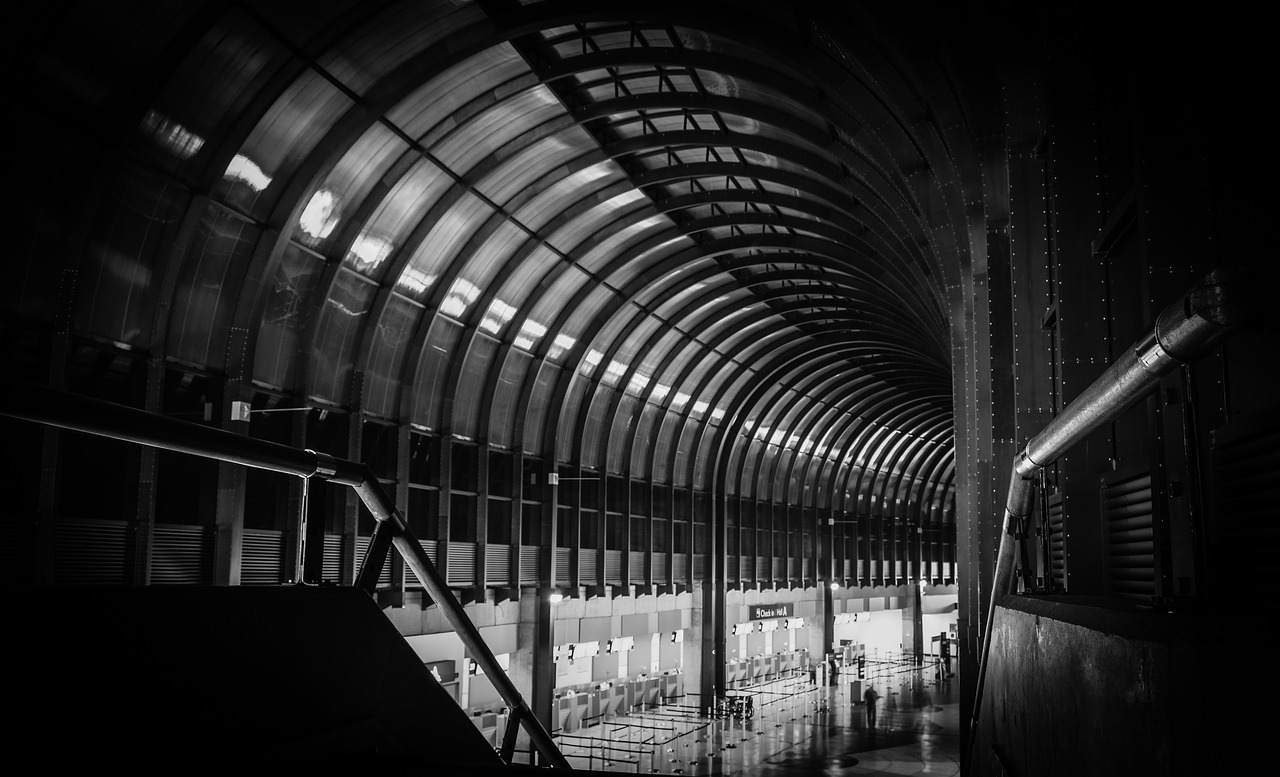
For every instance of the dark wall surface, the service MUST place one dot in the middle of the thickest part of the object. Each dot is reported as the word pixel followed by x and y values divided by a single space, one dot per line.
pixel 1090 686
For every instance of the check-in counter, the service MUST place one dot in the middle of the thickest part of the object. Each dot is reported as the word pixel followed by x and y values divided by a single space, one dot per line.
pixel 651 692
pixel 580 711
pixel 734 673
pixel 591 715
pixel 564 714
pixel 674 686
pixel 615 700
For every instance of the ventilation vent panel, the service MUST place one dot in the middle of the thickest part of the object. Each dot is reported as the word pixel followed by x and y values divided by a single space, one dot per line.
pixel 181 555
pixel 1128 521
pixel 1057 544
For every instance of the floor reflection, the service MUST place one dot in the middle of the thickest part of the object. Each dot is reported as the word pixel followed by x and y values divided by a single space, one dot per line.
pixel 797 729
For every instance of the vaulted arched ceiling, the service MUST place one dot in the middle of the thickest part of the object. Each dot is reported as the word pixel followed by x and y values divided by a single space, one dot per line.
pixel 718 245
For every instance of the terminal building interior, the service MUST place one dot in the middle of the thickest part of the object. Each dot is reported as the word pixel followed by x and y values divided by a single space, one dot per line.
pixel 718 388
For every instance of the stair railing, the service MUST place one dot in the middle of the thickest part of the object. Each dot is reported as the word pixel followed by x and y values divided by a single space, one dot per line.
pixel 66 410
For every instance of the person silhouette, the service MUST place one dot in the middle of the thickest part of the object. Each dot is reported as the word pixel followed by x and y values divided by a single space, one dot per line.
pixel 870 697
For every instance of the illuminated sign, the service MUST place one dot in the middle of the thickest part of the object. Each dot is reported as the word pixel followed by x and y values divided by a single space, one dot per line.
pixel 620 645
pixel 851 617
pixel 760 612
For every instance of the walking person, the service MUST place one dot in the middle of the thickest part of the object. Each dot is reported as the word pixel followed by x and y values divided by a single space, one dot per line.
pixel 870 697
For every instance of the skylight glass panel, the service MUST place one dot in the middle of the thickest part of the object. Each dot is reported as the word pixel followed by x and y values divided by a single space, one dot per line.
pixel 440 98
pixel 561 345
pixel 551 202
pixel 497 316
pixel 459 297
pixel 487 133
pixel 530 333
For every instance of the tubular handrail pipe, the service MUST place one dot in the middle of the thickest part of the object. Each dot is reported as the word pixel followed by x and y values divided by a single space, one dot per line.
pixel 67 410
pixel 1183 332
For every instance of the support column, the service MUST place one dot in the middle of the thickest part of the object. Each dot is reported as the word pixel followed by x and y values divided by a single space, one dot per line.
pixel 700 651
pixel 532 669
pixel 913 625
pixel 228 544
pixel 542 664
pixel 826 611
pixel 148 464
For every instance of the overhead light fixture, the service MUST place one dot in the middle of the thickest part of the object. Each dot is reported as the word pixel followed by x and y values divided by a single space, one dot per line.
pixel 835 586
pixel 555 597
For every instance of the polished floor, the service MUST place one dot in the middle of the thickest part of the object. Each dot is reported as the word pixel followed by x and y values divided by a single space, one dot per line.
pixel 797 728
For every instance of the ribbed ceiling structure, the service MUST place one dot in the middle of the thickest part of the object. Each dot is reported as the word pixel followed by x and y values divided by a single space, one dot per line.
pixel 708 245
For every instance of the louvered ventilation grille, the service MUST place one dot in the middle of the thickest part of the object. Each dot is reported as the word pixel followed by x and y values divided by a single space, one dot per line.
pixel 1127 516
pixel 659 567
pixel 1246 468
pixel 613 567
pixel 92 553
pixel 462 564
pixel 331 571
pixel 181 555
pixel 587 567
pixel 747 569
pixel 497 565
pixel 1057 544
pixel 680 568
pixel 699 567
pixel 635 567
pixel 530 569
pixel 260 557
pixel 561 570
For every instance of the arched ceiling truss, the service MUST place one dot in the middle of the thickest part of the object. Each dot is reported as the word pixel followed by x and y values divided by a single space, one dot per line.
pixel 658 240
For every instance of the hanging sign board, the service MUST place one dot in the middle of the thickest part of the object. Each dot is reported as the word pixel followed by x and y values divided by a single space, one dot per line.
pixel 760 612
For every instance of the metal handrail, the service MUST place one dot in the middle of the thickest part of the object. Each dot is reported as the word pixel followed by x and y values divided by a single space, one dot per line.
pixel 1184 331
pixel 66 410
